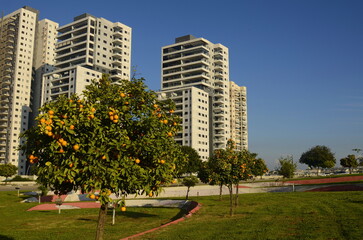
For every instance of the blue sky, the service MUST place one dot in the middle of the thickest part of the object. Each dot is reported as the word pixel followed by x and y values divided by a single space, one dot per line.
pixel 302 61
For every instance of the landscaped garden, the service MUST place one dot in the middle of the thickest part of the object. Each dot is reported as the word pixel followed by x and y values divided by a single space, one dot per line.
pixel 299 215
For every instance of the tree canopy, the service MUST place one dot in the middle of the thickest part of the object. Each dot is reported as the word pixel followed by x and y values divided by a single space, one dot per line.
pixel 193 161
pixel 318 157
pixel 287 167
pixel 8 170
pixel 259 167
pixel 350 162
pixel 115 138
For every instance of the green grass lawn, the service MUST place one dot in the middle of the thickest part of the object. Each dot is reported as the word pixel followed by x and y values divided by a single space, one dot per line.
pixel 18 224
pixel 298 215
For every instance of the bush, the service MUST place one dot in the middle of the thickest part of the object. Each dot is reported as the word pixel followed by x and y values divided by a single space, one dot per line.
pixel 18 178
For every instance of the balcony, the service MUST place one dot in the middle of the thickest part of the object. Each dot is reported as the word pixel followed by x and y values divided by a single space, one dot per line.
pixel 117 41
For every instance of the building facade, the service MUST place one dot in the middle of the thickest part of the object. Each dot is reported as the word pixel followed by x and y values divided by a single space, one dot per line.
pixel 195 74
pixel 17 44
pixel 87 48
pixel 238 104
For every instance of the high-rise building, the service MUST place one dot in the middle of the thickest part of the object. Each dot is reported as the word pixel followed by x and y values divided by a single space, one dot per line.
pixel 87 48
pixel 18 32
pixel 44 60
pixel 195 74
pixel 238 104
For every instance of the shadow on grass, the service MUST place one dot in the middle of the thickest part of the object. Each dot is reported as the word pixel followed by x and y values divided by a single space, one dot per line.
pixel 131 214
pixel 2 237
pixel 180 214
pixel 87 220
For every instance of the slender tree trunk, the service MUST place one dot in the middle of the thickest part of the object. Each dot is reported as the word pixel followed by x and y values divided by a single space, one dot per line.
pixel 220 192
pixel 187 193
pixel 350 170
pixel 230 188
pixel 101 222
pixel 236 199
pixel 317 172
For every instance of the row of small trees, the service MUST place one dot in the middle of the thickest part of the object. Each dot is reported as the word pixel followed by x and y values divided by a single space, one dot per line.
pixel 316 157
pixel 228 167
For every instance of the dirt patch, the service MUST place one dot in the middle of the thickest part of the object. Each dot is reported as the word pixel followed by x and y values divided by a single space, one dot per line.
pixel 337 188
pixel 328 180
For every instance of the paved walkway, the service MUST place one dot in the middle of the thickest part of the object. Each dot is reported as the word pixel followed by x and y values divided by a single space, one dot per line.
pixel 128 202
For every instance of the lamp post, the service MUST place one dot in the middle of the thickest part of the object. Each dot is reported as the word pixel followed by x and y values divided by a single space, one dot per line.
pixel 18 188
pixel 58 201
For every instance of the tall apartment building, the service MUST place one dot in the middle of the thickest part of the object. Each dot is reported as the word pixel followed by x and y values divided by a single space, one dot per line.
pixel 238 104
pixel 18 31
pixel 195 74
pixel 86 48
pixel 44 60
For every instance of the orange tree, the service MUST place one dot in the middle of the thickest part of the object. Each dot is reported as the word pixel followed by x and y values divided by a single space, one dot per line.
pixel 259 167
pixel 115 138
pixel 227 167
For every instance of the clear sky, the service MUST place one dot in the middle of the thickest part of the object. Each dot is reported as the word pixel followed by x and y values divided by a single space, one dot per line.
pixel 302 61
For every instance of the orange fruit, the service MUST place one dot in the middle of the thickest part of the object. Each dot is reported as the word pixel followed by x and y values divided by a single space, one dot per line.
pixel 171 110
pixel 71 127
pixel 151 194
pixel 122 95
pixel 123 209
pixel 170 134
pixel 115 117
pixel 165 121
pixel 42 120
pixel 61 150
pixel 115 121
pixel 137 161
pixel 71 165
pixel 155 106
pixel 92 196
pixel 103 157
pixel 162 161
pixel 76 147
pixel 50 112
pixel 50 134
pixel 110 113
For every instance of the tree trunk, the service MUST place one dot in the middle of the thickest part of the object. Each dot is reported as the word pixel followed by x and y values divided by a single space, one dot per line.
pixel 187 193
pixel 101 222
pixel 236 199
pixel 220 192
pixel 350 170
pixel 317 172
pixel 230 199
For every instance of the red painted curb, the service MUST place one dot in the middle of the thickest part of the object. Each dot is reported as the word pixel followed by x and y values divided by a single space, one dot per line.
pixel 193 208
pixel 327 180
